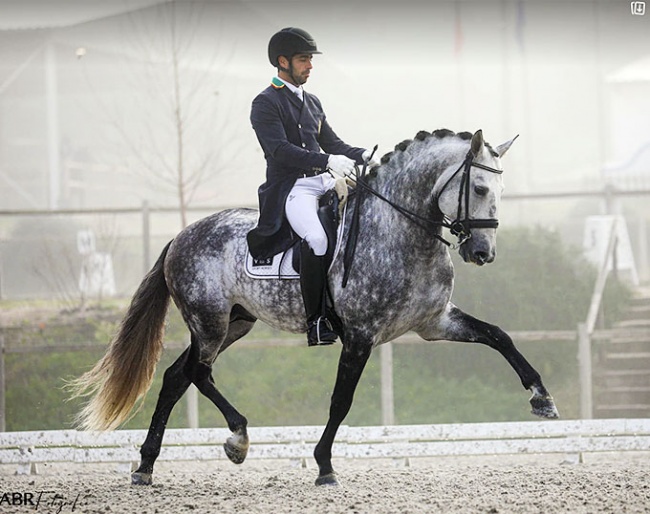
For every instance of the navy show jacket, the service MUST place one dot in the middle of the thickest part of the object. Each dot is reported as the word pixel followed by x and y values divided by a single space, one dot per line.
pixel 292 133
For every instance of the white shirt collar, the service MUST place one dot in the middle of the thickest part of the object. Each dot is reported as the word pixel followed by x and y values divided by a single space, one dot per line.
pixel 297 90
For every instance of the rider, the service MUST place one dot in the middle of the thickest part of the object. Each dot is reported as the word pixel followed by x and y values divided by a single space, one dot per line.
pixel 292 129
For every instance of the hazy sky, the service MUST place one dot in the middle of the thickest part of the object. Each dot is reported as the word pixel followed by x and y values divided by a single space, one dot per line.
pixel 86 89
pixel 389 69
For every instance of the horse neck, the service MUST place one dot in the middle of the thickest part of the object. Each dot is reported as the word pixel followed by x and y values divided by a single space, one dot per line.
pixel 408 180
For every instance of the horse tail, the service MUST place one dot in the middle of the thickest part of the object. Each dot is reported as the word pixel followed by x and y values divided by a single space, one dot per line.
pixel 123 376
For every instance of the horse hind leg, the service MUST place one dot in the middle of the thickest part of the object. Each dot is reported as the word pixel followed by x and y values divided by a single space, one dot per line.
pixel 236 446
pixel 200 373
pixel 176 381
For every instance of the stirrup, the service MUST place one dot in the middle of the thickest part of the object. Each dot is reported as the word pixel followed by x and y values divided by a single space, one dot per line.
pixel 320 332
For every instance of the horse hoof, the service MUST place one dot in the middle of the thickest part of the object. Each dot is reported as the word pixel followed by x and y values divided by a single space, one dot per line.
pixel 544 407
pixel 329 479
pixel 236 448
pixel 140 478
pixel 235 453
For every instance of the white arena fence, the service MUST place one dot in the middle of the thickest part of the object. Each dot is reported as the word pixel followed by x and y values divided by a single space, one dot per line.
pixel 574 438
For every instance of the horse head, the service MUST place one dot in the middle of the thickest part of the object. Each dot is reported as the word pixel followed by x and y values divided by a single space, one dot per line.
pixel 469 196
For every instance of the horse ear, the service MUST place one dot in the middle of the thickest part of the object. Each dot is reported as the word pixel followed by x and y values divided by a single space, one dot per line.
pixel 477 143
pixel 503 148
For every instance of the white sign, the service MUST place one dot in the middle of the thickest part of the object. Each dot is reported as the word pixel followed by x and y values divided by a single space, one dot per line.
pixel 97 278
pixel 86 242
pixel 597 230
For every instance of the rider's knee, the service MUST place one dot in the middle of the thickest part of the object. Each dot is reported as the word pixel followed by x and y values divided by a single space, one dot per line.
pixel 317 242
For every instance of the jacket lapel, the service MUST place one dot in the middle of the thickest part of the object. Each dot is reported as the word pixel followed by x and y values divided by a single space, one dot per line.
pixel 293 98
pixel 281 88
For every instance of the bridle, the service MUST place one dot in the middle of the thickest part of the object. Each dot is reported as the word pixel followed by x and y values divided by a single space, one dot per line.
pixel 459 227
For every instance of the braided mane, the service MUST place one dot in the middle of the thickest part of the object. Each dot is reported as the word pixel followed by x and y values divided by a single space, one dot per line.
pixel 421 136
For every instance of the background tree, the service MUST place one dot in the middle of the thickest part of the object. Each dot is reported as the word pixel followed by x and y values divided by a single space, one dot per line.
pixel 169 121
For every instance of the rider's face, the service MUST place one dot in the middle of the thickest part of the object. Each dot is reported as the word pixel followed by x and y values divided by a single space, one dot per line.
pixel 299 69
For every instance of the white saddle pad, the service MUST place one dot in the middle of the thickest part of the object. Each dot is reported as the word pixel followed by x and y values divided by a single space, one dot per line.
pixel 280 266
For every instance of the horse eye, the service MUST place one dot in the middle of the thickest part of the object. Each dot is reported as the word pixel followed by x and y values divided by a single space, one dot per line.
pixel 481 190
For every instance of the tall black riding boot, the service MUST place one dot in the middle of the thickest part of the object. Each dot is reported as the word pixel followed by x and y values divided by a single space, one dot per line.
pixel 313 279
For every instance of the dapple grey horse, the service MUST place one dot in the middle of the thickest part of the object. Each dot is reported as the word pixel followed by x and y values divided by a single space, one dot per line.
pixel 401 280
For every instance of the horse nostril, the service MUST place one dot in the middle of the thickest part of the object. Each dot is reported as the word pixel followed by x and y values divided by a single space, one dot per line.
pixel 480 257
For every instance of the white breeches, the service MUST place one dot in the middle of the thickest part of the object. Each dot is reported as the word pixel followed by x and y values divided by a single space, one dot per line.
pixel 301 209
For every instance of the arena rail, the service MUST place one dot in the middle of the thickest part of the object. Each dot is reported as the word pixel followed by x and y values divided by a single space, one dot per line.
pixel 572 438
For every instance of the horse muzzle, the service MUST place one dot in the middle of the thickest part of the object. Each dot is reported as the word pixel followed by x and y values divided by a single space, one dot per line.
pixel 477 251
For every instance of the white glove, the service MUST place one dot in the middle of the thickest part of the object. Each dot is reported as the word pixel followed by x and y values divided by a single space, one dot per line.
pixel 341 188
pixel 372 162
pixel 340 164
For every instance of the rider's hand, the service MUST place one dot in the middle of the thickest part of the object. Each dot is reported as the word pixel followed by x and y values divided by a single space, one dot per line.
pixel 341 188
pixel 373 161
pixel 340 164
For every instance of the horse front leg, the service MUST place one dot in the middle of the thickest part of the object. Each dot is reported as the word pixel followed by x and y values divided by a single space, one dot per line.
pixel 456 325
pixel 352 362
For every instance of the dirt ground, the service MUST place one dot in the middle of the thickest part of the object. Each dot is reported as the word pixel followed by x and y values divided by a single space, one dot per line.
pixel 610 483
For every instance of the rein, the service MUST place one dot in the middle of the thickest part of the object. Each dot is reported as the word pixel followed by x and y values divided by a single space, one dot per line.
pixel 458 227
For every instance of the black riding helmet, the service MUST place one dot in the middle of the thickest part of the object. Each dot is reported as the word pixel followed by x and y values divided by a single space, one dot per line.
pixel 291 41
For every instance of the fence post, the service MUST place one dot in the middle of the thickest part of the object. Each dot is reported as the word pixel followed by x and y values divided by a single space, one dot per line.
pixel 1 277
pixel 584 363
pixel 192 395
pixel 2 382
pixel 387 390
pixel 644 258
